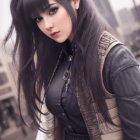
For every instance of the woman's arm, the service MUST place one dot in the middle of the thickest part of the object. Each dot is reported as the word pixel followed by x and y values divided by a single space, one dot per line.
pixel 122 78
pixel 126 86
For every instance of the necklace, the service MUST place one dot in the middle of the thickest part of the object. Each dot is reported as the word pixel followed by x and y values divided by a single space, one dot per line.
pixel 67 73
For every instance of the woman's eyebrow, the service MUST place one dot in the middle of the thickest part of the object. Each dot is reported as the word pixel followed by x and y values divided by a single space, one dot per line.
pixel 49 6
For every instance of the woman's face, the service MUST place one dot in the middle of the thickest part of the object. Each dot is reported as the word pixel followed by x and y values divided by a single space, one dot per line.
pixel 55 22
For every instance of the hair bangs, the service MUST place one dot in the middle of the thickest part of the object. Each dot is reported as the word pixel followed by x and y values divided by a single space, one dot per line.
pixel 34 7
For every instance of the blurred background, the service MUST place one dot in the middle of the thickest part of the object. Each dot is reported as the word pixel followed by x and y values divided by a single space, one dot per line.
pixel 122 15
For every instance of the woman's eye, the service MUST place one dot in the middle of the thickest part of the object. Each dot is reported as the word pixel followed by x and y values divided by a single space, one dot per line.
pixel 38 19
pixel 53 11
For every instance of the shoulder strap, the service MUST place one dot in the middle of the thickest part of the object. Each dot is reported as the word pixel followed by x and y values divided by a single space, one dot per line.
pixel 105 44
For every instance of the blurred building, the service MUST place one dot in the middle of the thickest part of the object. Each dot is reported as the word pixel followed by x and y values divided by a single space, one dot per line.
pixel 136 13
pixel 106 10
pixel 9 119
pixel 11 126
pixel 128 23
pixel 130 27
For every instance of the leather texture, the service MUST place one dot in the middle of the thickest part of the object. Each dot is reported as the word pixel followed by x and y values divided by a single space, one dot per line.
pixel 121 77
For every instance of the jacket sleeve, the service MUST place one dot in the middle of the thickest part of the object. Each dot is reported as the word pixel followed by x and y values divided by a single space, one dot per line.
pixel 122 77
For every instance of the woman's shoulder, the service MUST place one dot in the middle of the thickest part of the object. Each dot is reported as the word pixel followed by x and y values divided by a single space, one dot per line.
pixel 119 58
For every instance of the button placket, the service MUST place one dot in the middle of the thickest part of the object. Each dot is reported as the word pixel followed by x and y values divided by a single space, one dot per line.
pixel 59 102
pixel 68 125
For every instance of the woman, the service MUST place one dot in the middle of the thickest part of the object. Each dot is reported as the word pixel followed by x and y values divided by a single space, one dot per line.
pixel 90 79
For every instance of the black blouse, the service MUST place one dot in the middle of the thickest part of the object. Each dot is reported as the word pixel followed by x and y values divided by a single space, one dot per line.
pixel 63 104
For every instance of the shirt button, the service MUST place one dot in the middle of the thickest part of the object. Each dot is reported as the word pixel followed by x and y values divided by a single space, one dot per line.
pixel 69 126
pixel 58 102
pixel 63 114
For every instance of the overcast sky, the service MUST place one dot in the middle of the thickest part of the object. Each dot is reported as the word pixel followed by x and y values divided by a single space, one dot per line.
pixel 5 18
pixel 119 4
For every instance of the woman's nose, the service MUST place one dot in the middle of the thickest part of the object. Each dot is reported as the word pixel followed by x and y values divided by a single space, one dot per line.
pixel 48 24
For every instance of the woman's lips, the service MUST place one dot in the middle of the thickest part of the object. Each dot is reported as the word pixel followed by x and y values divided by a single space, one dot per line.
pixel 54 34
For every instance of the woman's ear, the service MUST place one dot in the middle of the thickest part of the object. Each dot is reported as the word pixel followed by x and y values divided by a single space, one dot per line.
pixel 76 3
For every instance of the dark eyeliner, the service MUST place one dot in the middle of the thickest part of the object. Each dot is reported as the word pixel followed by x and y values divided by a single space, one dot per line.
pixel 56 8
pixel 35 19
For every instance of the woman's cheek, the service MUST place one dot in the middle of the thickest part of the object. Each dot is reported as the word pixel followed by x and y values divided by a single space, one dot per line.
pixel 41 26
pixel 63 19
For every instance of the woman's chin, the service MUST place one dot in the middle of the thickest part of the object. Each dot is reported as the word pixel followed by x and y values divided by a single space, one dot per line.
pixel 60 40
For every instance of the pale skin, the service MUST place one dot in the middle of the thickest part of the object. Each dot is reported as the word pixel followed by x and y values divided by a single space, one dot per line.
pixel 56 19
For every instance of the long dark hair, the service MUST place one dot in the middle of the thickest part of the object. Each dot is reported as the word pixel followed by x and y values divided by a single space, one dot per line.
pixel 30 41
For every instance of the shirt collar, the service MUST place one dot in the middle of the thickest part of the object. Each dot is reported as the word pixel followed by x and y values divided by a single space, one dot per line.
pixel 69 48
